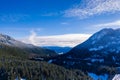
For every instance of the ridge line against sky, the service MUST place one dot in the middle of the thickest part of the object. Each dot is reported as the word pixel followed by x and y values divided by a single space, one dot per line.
pixel 48 18
pixel 116 24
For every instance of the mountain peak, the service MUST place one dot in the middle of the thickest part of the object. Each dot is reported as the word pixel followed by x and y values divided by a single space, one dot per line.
pixel 7 40
pixel 118 29
pixel 105 41
pixel 106 32
pixel 107 29
pixel 5 37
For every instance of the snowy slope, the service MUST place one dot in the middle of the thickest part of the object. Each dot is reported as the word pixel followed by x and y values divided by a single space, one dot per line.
pixel 116 77
pixel 103 43
pixel 7 40
pixel 107 40
pixel 98 77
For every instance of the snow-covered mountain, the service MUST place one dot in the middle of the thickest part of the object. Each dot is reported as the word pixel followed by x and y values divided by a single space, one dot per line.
pixel 101 50
pixel 11 42
pixel 7 40
pixel 102 43
pixel 106 41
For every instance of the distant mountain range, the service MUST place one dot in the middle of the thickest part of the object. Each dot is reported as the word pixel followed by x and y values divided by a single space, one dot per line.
pixel 10 42
pixel 100 51
pixel 59 50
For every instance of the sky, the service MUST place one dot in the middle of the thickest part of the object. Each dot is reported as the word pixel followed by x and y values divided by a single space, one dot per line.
pixel 57 22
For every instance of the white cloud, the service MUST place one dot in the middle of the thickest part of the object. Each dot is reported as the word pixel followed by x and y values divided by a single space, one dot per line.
pixel 32 37
pixel 114 24
pixel 93 7
pixel 57 40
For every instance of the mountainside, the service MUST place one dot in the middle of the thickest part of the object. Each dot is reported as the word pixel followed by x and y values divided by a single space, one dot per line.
pixel 59 50
pixel 8 41
pixel 101 44
pixel 99 54
pixel 22 69
pixel 106 41
pixel 104 46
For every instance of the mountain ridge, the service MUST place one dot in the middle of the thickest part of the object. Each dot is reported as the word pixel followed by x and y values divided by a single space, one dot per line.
pixel 97 54
pixel 100 40
pixel 29 48
pixel 7 40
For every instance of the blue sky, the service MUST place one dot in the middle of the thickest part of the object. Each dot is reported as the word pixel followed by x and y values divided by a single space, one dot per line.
pixel 23 19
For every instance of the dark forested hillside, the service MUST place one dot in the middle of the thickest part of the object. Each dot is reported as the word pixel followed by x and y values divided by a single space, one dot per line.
pixel 16 67
pixel 15 64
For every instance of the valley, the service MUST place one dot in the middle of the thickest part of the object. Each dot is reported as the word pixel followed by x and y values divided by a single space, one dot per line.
pixel 99 55
pixel 16 63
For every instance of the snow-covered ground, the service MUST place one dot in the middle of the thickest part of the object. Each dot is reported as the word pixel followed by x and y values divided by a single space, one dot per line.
pixel 116 77
pixel 50 61
pixel 96 77
pixel 20 78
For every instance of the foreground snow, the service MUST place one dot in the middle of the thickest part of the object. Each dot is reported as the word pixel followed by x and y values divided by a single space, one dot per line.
pixel 116 77
pixel 96 77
